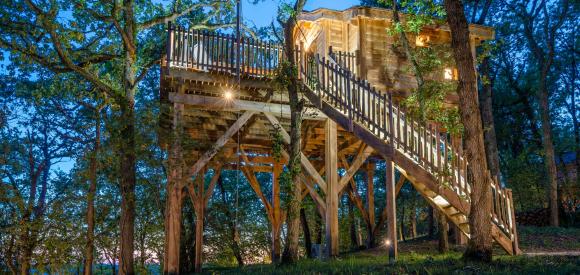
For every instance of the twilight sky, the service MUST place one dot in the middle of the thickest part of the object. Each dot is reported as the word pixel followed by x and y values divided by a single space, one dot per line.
pixel 264 12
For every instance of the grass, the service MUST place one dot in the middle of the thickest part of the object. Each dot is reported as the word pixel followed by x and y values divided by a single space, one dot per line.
pixel 420 257
pixel 533 239
pixel 412 263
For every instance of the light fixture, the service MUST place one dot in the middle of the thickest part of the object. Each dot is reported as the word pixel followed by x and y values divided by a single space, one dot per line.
pixel 387 242
pixel 228 95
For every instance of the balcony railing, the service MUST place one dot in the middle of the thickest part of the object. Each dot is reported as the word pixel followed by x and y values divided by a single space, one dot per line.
pixel 216 52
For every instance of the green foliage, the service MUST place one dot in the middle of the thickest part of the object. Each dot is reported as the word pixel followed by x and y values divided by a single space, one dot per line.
pixel 415 263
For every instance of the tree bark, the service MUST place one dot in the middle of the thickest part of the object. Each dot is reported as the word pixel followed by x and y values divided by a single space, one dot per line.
pixel 413 217
pixel 544 56
pixel 371 205
pixel 489 137
pixel 480 244
pixel 443 233
pixel 430 222
pixel 306 230
pixel 90 247
pixel 290 254
pixel 127 155
pixel 549 153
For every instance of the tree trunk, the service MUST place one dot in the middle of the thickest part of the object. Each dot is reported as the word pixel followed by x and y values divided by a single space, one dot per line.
pixel 430 222
pixel 89 247
pixel 402 222
pixel 443 233
pixel 127 155
pixel 306 230
pixel 413 217
pixel 480 244
pixel 486 105
pixel 296 105
pixel 353 238
pixel 371 242
pixel 549 154
pixel 318 223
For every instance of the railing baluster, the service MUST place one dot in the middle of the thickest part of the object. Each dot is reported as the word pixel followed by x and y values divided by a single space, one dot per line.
pixel 389 97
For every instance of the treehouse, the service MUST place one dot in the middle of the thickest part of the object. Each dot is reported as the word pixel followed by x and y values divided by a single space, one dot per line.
pixel 223 109
pixel 361 39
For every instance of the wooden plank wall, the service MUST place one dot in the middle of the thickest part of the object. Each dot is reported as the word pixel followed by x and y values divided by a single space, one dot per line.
pixel 383 65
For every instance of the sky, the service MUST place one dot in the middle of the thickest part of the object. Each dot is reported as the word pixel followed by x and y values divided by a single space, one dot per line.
pixel 263 13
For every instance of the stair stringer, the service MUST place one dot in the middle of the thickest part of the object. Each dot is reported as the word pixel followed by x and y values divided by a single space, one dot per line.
pixel 425 183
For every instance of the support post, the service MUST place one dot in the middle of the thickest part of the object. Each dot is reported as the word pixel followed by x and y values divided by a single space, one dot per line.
pixel 332 188
pixel 276 215
pixel 199 215
pixel 371 204
pixel 174 190
pixel 391 242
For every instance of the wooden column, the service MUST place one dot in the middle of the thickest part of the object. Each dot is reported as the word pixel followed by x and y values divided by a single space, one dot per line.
pixel 458 237
pixel 371 204
pixel 276 215
pixel 332 188
pixel 172 229
pixel 199 215
pixel 174 190
pixel 391 242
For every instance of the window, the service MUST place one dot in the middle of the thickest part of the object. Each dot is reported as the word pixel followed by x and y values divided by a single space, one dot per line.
pixel 450 74
pixel 422 40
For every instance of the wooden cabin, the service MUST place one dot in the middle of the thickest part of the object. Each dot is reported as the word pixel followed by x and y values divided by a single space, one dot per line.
pixel 361 34
pixel 221 110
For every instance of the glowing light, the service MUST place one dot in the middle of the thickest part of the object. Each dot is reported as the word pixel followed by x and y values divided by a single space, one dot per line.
pixel 387 242
pixel 450 74
pixel 422 40
pixel 228 95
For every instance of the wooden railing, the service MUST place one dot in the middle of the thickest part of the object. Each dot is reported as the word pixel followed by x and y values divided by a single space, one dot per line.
pixel 424 144
pixel 216 52
pixel 347 60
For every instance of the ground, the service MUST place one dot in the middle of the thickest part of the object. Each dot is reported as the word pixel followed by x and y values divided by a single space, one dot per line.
pixel 421 257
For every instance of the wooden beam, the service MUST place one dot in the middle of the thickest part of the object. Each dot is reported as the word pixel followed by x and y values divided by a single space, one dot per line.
pixel 306 164
pixel 330 160
pixel 201 162
pixel 363 153
pixel 315 196
pixel 234 105
pixel 223 80
pixel 391 211
pixel 251 177
pixel 357 200
pixel 212 183
pixel 381 147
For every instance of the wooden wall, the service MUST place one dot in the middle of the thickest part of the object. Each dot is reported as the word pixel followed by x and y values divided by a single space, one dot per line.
pixel 381 63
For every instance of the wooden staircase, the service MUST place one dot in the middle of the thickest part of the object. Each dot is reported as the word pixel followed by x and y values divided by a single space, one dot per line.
pixel 421 153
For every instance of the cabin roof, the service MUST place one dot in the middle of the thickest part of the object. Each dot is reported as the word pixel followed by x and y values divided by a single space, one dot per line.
pixel 479 31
